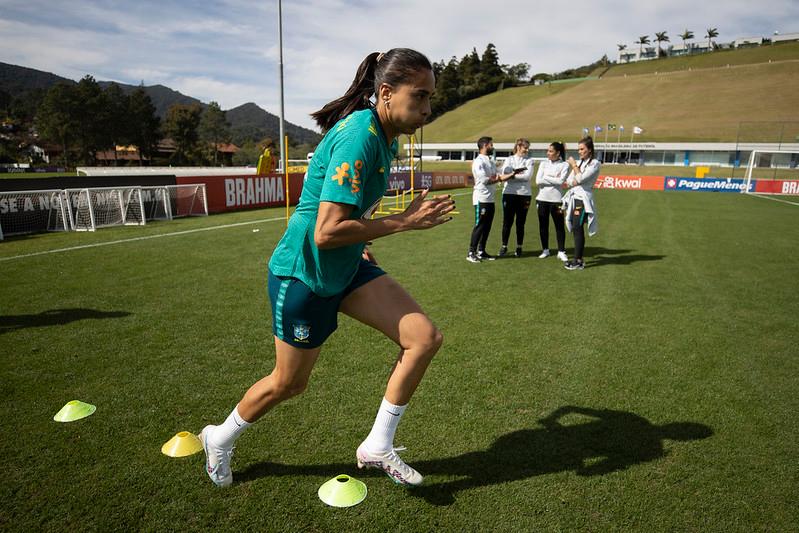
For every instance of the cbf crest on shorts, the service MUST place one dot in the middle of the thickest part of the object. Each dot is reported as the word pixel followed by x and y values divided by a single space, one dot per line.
pixel 302 332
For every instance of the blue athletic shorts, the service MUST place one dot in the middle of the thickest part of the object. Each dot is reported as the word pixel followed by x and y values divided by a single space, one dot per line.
pixel 304 319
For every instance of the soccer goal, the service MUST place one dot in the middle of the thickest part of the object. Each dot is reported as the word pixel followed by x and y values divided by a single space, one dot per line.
pixel 772 172
pixel 101 207
pixel 165 202
pixel 23 212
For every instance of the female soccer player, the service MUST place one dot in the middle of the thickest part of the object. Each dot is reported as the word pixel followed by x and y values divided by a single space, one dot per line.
pixel 517 194
pixel 578 203
pixel 320 265
pixel 550 178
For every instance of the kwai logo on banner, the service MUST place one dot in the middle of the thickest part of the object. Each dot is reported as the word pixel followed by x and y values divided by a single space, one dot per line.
pixel 635 183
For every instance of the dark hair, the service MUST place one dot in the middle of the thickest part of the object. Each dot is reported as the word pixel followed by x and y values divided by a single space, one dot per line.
pixel 588 141
pixel 482 141
pixel 395 68
pixel 560 148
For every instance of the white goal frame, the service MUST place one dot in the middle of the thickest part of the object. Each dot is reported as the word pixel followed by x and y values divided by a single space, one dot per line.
pixel 167 202
pixel 40 210
pixel 99 207
pixel 754 160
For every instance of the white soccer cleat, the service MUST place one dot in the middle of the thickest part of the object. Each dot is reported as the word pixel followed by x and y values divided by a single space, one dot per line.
pixel 390 463
pixel 563 257
pixel 217 460
pixel 544 254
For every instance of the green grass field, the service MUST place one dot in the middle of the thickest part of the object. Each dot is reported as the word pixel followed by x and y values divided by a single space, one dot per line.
pixel 666 374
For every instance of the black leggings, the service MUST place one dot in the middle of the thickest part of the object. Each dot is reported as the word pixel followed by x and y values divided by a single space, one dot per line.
pixel 545 210
pixel 483 218
pixel 514 205
pixel 578 219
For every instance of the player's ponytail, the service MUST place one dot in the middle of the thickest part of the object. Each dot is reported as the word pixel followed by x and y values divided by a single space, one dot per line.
pixel 588 141
pixel 394 68
pixel 560 148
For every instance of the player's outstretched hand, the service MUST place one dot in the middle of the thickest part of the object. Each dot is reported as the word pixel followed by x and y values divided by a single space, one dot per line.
pixel 425 213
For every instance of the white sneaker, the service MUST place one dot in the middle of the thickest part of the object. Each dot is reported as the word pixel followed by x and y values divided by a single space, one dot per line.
pixel 217 460
pixel 391 464
pixel 563 257
pixel 544 254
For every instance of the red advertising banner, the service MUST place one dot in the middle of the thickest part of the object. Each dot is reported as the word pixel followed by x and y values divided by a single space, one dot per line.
pixel 632 183
pixel 777 187
pixel 229 193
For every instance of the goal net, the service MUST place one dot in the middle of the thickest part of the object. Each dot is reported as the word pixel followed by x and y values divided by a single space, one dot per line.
pixel 166 202
pixel 772 172
pixel 24 212
pixel 101 207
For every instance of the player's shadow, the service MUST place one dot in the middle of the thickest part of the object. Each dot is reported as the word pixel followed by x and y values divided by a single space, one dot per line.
pixel 609 441
pixel 598 256
pixel 54 317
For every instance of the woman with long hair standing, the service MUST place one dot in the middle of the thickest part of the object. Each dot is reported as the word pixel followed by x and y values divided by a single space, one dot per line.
pixel 578 202
pixel 322 267
pixel 550 178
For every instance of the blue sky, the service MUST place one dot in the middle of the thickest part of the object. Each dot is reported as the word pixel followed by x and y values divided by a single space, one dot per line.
pixel 227 50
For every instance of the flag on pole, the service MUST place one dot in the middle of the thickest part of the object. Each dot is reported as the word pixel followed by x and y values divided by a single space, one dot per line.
pixel 621 127
pixel 597 128
pixel 637 130
pixel 611 127
pixel 585 131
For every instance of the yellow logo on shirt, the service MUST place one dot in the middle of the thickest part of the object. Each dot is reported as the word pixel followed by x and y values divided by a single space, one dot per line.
pixel 343 123
pixel 342 173
pixel 356 180
pixel 373 129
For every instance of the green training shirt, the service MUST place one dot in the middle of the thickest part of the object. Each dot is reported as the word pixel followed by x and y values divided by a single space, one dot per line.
pixel 350 166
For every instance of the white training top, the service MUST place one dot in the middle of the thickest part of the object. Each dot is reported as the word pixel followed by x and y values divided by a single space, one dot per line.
pixel 520 183
pixel 483 169
pixel 550 178
pixel 589 172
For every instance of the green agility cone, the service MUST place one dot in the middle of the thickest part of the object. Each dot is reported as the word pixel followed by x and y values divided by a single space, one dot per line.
pixel 181 445
pixel 342 491
pixel 74 410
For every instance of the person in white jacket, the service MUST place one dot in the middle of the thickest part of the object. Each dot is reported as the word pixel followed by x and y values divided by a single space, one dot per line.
pixel 550 178
pixel 517 194
pixel 578 202
pixel 485 182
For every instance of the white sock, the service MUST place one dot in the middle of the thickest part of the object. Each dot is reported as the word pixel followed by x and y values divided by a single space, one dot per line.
pixel 226 434
pixel 381 438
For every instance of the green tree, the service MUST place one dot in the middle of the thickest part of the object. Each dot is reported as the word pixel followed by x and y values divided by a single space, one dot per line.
pixel 687 34
pixel 661 37
pixel 516 74
pixel 491 75
pixel 182 126
pixel 57 118
pixel 469 76
pixel 214 128
pixel 145 126
pixel 447 83
pixel 711 33
pixel 642 40
pixel 119 123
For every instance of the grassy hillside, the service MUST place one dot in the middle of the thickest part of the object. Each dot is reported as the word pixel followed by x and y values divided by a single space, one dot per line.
pixel 680 105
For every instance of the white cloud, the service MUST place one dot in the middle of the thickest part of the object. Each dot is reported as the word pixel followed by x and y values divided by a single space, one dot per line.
pixel 228 50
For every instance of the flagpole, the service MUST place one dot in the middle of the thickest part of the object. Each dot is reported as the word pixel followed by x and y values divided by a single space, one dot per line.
pixel 604 152
pixel 283 154
pixel 630 150
pixel 618 143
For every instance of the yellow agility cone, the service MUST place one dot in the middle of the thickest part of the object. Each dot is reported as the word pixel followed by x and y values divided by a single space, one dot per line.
pixel 182 444
pixel 342 491
pixel 74 410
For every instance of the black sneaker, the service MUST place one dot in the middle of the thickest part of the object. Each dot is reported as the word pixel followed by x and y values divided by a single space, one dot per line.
pixel 503 251
pixel 485 256
pixel 574 265
pixel 518 252
pixel 472 258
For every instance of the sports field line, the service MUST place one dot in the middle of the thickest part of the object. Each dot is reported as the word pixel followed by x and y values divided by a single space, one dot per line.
pixel 144 238
pixel 774 199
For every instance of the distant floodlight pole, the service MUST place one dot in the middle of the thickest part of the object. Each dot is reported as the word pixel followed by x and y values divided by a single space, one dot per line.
pixel 283 154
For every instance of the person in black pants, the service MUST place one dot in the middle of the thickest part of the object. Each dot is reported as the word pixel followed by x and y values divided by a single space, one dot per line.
pixel 485 181
pixel 579 200
pixel 517 194
pixel 551 175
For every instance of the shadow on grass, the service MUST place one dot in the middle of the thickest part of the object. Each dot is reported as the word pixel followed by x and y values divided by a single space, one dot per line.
pixel 609 441
pixel 598 256
pixel 53 317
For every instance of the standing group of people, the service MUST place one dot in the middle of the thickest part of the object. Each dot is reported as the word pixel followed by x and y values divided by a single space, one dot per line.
pixel 565 195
